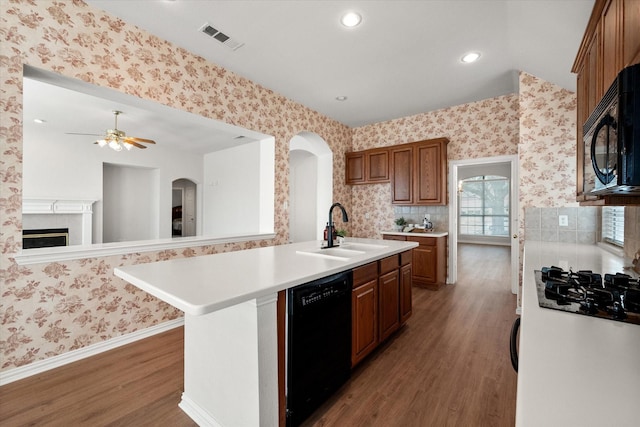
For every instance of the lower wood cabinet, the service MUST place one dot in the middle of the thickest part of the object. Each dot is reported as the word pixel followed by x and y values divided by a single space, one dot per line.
pixel 389 290
pixel 405 288
pixel 380 303
pixel 364 312
pixel 429 260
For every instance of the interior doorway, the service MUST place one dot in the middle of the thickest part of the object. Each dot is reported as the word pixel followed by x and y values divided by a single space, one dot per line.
pixel 183 208
pixel 475 167
pixel 310 186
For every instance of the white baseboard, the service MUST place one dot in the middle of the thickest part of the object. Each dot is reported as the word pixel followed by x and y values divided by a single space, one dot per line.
pixel 82 353
pixel 196 413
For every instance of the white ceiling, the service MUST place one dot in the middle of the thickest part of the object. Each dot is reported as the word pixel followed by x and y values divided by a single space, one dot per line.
pixel 403 59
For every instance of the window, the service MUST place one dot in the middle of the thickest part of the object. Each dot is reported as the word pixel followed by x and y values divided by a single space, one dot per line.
pixel 613 225
pixel 484 206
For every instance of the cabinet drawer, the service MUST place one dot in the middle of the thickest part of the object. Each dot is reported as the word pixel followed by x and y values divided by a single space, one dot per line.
pixel 423 241
pixel 365 273
pixel 394 237
pixel 389 264
pixel 405 258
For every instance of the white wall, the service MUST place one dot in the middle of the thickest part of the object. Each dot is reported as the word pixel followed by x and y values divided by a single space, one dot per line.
pixel 238 193
pixel 323 192
pixel 303 179
pixel 131 208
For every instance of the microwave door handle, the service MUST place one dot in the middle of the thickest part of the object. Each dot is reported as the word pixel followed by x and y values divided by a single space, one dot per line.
pixel 625 147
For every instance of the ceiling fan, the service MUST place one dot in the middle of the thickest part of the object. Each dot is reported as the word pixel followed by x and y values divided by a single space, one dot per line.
pixel 117 139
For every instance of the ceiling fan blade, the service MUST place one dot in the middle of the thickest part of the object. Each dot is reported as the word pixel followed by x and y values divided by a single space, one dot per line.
pixel 135 144
pixel 147 141
pixel 89 134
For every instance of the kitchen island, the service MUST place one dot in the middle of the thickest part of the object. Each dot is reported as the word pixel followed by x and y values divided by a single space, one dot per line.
pixel 574 370
pixel 229 300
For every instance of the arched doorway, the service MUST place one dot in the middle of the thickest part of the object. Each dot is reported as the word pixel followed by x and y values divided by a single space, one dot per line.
pixel 183 208
pixel 310 186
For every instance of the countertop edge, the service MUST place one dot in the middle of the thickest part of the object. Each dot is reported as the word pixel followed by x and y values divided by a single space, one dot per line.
pixel 416 234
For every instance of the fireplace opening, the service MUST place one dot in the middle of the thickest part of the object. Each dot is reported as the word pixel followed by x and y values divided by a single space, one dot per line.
pixel 45 238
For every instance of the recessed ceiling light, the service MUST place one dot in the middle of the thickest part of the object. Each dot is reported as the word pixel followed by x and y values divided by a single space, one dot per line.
pixel 39 121
pixel 470 57
pixel 341 98
pixel 351 19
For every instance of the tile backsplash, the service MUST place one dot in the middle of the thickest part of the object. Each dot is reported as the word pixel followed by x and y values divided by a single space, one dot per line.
pixel 544 224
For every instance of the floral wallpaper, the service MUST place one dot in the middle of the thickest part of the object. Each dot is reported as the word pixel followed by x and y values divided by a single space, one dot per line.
pixel 485 128
pixel 547 147
pixel 50 309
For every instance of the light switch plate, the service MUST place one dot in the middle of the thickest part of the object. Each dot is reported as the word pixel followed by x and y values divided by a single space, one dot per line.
pixel 563 220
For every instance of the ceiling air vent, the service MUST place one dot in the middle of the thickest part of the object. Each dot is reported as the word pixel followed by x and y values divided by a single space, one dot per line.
pixel 221 37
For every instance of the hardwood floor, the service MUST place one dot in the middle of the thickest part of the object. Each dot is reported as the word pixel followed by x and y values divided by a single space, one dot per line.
pixel 135 385
pixel 449 366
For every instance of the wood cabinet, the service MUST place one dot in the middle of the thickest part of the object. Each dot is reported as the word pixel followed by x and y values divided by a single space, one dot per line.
pixel 611 42
pixel 389 289
pixel 402 175
pixel 429 260
pixel 405 286
pixel 380 303
pixel 367 167
pixel 355 173
pixel 419 173
pixel 364 312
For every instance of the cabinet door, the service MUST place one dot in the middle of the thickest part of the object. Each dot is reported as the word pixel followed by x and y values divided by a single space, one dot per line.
pixel 430 174
pixel 631 32
pixel 611 43
pixel 389 288
pixel 355 170
pixel 405 292
pixel 364 320
pixel 402 176
pixel 425 264
pixel 378 165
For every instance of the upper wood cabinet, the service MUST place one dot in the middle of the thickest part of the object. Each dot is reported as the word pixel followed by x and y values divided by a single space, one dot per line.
pixel 611 42
pixel 355 173
pixel 419 173
pixel 367 167
pixel 402 175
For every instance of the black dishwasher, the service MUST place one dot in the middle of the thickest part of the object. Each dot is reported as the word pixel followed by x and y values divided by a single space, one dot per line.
pixel 318 343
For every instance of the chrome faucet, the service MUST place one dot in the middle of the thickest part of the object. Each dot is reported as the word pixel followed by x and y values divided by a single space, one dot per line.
pixel 345 218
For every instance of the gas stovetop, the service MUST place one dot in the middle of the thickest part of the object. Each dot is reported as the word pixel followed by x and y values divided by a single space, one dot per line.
pixel 616 297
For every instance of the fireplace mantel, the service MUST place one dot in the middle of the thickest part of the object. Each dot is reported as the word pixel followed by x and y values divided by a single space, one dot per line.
pixel 64 207
pixel 48 206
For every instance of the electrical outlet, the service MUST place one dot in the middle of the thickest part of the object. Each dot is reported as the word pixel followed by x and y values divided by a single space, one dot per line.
pixel 367 215
pixel 563 220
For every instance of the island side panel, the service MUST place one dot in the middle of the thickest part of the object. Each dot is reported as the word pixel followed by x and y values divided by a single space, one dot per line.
pixel 231 365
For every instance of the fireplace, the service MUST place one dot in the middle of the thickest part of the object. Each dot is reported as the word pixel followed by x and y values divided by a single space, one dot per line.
pixel 45 238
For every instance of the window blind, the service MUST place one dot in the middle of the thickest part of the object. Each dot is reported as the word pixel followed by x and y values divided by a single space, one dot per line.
pixel 613 225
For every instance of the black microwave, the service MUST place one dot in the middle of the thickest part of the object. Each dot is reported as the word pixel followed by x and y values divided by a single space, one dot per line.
pixel 611 137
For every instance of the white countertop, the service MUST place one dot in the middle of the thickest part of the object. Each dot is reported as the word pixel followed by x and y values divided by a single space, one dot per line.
pixel 575 370
pixel 417 233
pixel 204 284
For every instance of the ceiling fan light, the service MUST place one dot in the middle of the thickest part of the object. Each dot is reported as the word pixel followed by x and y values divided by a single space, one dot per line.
pixel 127 145
pixel 101 143
pixel 115 145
